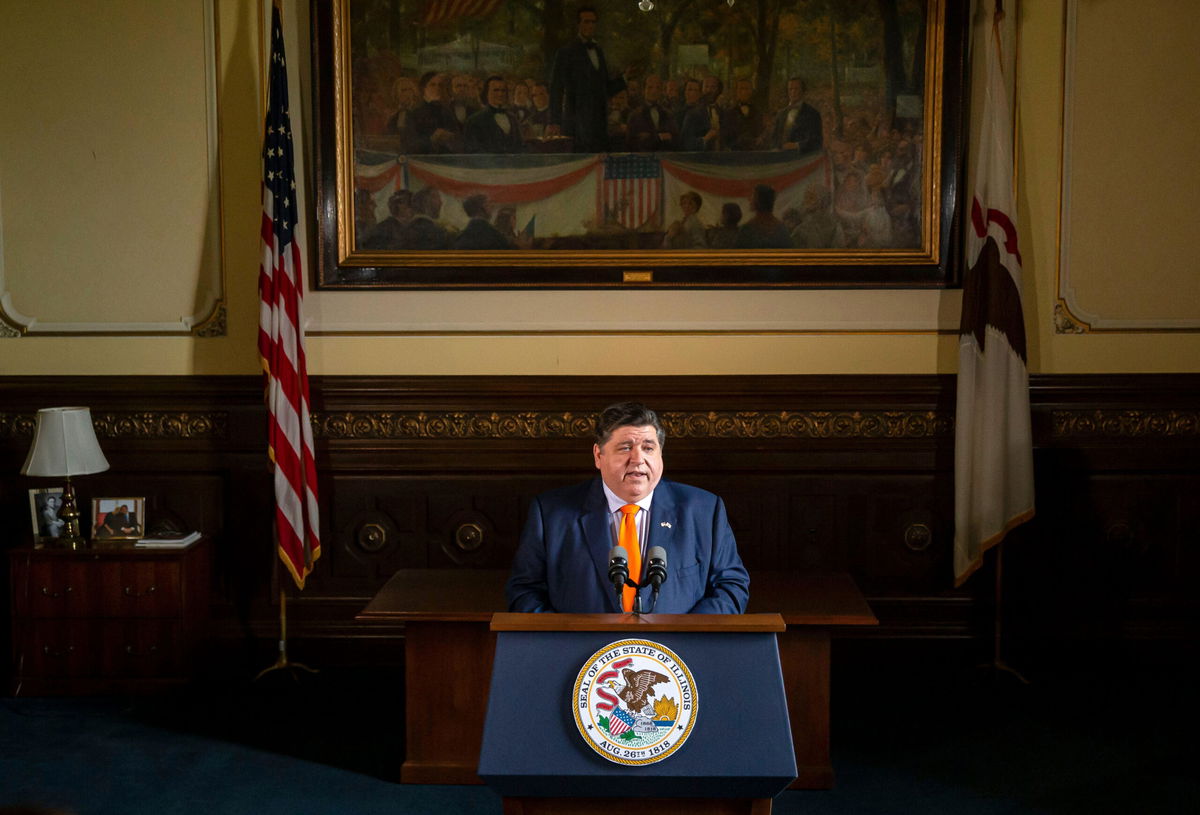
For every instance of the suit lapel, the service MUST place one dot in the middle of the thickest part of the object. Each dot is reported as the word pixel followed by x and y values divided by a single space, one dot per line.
pixel 597 532
pixel 664 520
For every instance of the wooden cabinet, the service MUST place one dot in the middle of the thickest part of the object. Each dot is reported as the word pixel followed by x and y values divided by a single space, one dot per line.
pixel 106 619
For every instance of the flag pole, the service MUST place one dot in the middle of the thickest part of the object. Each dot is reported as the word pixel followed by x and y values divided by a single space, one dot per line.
pixel 282 663
pixel 998 663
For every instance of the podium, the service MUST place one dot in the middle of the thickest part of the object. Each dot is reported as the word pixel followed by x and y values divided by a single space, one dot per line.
pixel 715 739
pixel 448 646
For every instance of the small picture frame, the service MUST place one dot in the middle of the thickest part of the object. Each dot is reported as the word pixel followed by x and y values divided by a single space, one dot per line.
pixel 118 519
pixel 44 507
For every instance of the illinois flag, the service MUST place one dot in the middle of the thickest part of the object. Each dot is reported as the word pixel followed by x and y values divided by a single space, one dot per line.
pixel 281 332
pixel 993 445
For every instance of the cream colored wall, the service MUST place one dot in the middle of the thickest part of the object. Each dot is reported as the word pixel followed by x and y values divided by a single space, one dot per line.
pixel 518 333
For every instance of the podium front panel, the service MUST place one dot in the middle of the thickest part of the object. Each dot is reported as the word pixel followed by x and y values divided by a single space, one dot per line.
pixel 740 745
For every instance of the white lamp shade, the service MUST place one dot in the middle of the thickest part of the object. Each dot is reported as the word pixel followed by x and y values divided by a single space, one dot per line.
pixel 64 443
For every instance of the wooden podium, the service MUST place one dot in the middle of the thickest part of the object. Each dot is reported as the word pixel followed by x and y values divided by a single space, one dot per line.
pixel 449 651
pixel 547 749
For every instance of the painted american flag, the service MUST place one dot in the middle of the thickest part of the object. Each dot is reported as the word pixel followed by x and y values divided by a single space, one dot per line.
pixel 632 190
pixel 619 722
pixel 281 333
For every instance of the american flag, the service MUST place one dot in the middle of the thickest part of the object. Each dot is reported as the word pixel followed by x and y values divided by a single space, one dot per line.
pixel 443 11
pixel 281 333
pixel 632 190
pixel 619 722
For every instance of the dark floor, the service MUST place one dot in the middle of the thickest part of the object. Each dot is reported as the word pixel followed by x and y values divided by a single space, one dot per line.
pixel 929 739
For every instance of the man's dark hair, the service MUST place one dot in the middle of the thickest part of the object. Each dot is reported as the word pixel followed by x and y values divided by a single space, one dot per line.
pixel 400 198
pixel 764 198
pixel 731 214
pixel 475 205
pixel 423 201
pixel 487 83
pixel 424 80
pixel 582 9
pixel 627 414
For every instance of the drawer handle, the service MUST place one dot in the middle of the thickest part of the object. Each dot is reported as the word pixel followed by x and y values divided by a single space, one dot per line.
pixel 55 595
pixel 130 591
pixel 58 652
pixel 133 652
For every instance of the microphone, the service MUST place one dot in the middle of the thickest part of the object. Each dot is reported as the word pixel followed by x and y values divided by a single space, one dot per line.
pixel 656 572
pixel 618 567
pixel 656 567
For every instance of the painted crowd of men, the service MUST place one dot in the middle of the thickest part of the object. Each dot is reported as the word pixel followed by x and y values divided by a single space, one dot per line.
pixel 582 108
pixel 414 222
pixel 651 115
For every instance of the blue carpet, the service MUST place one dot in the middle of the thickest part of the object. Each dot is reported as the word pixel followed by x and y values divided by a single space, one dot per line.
pixel 1086 745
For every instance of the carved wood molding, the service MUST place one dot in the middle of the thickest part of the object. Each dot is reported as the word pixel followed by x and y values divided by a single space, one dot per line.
pixel 133 425
pixel 1125 424
pixel 814 424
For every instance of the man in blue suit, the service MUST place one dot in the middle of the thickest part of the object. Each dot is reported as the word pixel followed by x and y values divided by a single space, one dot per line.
pixel 563 557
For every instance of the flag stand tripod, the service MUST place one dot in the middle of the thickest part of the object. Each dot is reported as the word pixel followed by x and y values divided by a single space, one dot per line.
pixel 998 663
pixel 282 663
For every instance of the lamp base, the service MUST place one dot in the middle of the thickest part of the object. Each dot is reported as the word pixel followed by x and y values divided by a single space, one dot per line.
pixel 70 537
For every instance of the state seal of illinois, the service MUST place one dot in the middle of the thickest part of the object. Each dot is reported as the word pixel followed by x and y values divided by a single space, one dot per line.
pixel 635 702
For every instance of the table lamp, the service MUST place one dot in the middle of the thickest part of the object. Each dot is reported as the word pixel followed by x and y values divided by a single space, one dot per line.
pixel 64 444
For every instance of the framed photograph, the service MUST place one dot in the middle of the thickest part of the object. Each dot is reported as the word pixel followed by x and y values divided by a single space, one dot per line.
pixel 697 143
pixel 44 505
pixel 118 518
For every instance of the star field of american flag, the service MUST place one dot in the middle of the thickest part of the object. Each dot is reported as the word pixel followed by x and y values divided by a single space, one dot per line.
pixel 277 144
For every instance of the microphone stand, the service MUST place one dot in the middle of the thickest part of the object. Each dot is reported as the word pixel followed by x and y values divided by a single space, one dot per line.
pixel 637 595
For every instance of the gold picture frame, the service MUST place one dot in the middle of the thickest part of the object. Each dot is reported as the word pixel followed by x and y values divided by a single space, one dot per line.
pixel 888 88
pixel 118 519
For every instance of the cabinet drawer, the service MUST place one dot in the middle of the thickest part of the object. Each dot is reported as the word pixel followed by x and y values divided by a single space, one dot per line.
pixel 62 587
pixel 53 588
pixel 140 588
pixel 56 648
pixel 134 649
pixel 141 649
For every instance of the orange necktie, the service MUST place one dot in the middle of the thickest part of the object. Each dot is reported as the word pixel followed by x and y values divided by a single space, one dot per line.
pixel 628 538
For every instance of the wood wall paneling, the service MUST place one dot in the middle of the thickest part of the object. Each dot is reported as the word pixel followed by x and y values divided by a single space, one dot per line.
pixel 849 473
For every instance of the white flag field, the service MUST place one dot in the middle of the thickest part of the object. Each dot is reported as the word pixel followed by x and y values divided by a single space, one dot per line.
pixel 993 443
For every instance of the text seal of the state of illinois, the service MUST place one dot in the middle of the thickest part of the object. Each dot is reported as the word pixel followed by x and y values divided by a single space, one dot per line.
pixel 635 702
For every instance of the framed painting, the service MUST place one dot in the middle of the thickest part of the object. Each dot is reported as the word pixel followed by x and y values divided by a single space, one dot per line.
pixel 674 143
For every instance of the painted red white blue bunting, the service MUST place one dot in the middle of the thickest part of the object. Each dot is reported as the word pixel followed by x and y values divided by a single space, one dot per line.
pixel 635 702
